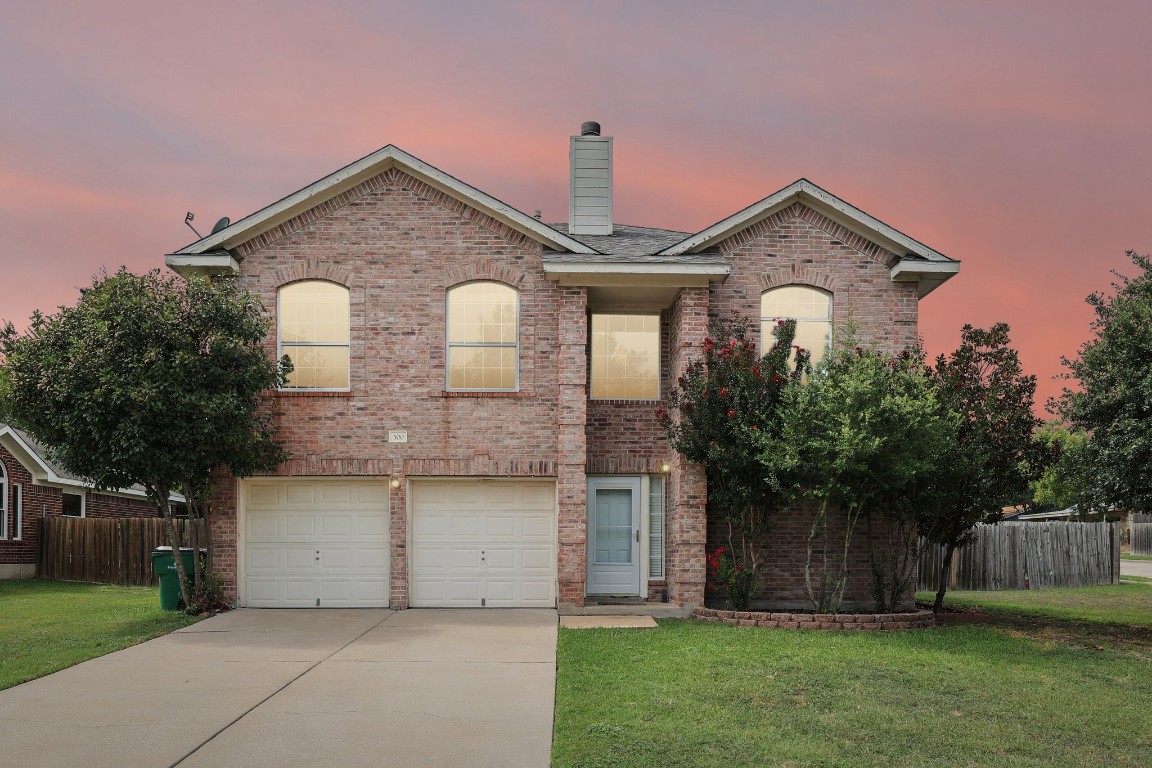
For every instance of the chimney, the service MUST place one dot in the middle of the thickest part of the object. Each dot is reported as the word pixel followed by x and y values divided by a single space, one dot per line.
pixel 590 190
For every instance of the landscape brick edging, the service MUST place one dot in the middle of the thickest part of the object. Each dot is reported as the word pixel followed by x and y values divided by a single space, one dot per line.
pixel 824 621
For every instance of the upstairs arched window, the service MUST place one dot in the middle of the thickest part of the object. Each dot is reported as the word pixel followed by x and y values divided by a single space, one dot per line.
pixel 811 308
pixel 314 332
pixel 483 337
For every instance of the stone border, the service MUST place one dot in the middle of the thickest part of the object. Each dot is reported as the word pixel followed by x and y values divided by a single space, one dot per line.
pixel 824 621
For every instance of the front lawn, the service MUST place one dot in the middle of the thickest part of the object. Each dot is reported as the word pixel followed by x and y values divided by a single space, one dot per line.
pixel 1002 694
pixel 1126 604
pixel 46 626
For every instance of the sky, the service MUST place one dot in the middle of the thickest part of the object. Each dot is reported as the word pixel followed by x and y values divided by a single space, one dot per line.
pixel 1013 136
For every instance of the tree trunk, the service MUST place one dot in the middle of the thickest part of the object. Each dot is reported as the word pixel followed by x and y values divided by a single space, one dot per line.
pixel 945 573
pixel 174 542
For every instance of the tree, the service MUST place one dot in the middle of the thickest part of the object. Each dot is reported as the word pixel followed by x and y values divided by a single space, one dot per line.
pixel 148 380
pixel 1069 477
pixel 992 459
pixel 863 431
pixel 1114 403
pixel 725 414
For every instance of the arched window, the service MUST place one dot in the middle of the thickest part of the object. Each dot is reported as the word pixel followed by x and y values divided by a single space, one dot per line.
pixel 313 332
pixel 3 502
pixel 811 308
pixel 483 337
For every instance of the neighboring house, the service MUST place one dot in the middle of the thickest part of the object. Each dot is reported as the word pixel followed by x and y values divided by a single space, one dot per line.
pixel 472 412
pixel 32 487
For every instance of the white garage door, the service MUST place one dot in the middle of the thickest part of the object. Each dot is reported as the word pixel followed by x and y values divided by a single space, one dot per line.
pixel 315 543
pixel 483 543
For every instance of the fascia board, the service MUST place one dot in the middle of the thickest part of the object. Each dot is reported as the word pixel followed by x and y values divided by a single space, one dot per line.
pixel 350 175
pixel 664 275
pixel 215 263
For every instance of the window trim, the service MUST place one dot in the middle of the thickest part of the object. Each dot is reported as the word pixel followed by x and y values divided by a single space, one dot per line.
pixel 280 344
pixel 83 504
pixel 448 344
pixel 18 511
pixel 3 502
pixel 764 347
pixel 659 358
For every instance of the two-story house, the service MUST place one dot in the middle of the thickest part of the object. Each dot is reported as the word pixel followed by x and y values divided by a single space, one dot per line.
pixel 471 413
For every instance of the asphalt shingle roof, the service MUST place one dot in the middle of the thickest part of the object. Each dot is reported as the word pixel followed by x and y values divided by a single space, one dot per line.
pixel 629 244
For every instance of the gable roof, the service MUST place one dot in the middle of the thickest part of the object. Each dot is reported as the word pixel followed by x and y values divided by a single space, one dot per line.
pixel 215 246
pixel 918 263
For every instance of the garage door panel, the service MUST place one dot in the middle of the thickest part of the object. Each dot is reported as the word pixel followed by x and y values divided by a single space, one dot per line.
pixel 479 542
pixel 309 540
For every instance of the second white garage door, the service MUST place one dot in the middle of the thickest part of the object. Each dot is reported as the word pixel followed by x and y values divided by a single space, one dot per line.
pixel 483 543
pixel 318 543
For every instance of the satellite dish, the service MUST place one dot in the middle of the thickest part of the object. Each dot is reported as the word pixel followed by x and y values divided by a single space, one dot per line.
pixel 222 224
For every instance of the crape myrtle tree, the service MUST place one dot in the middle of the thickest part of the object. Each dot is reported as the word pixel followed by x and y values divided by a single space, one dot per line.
pixel 1114 401
pixel 992 459
pixel 725 414
pixel 864 433
pixel 148 380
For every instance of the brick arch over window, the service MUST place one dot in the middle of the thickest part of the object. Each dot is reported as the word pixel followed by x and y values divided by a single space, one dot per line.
pixel 800 274
pixel 313 269
pixel 313 328
pixel 484 271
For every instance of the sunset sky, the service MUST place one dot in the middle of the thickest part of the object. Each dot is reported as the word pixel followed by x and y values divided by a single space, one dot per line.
pixel 1014 136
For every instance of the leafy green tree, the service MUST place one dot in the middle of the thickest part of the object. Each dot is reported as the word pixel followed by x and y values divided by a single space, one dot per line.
pixel 992 459
pixel 148 380
pixel 1114 402
pixel 726 415
pixel 862 433
pixel 1069 478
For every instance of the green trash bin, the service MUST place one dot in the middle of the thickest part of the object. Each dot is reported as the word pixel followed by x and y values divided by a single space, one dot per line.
pixel 164 565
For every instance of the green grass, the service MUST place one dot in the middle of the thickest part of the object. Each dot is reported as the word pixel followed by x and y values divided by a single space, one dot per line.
pixel 1126 604
pixel 1050 693
pixel 46 626
pixel 1136 557
pixel 1130 577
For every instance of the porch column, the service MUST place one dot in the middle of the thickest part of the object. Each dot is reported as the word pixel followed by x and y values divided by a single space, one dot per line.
pixel 571 476
pixel 686 519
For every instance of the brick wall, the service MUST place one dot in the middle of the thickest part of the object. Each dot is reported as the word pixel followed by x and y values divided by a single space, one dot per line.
pixel 398 245
pixel 800 246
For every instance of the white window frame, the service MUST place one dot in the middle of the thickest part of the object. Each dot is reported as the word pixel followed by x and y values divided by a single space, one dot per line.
pixel 18 511
pixel 83 505
pixel 766 342
pixel 448 345
pixel 657 519
pixel 3 502
pixel 281 344
pixel 659 358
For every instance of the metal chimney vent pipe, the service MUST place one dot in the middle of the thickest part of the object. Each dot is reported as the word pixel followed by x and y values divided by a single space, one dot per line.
pixel 590 128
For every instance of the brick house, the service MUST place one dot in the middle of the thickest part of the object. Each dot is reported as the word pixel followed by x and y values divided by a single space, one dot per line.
pixel 32 487
pixel 472 412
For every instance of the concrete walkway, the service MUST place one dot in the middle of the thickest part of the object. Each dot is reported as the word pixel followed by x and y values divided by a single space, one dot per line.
pixel 302 688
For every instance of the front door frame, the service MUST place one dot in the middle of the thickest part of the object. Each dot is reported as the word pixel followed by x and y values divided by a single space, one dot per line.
pixel 637 484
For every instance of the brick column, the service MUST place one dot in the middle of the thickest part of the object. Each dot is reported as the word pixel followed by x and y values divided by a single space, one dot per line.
pixel 685 516
pixel 222 529
pixel 571 478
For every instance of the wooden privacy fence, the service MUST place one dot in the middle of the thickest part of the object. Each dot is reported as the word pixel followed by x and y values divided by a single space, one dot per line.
pixel 1029 556
pixel 1141 531
pixel 104 550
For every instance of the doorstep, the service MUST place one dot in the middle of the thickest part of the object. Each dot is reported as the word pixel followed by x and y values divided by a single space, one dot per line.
pixel 654 610
pixel 611 622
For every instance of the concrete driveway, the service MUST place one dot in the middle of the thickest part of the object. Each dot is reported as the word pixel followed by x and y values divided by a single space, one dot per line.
pixel 302 688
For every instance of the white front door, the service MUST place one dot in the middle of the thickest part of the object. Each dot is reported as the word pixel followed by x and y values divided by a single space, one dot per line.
pixel 613 536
